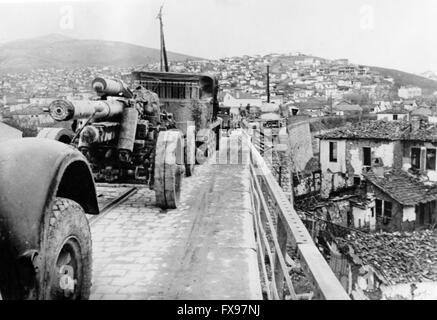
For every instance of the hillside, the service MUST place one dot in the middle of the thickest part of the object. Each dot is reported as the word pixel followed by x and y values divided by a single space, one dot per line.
pixel 429 75
pixel 401 78
pixel 65 52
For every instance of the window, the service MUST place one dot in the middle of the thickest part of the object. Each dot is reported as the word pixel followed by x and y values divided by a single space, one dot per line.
pixel 415 158
pixel 357 181
pixel 387 212
pixel 378 208
pixel 367 156
pixel 383 210
pixel 333 151
pixel 430 159
pixel 430 156
pixel 395 117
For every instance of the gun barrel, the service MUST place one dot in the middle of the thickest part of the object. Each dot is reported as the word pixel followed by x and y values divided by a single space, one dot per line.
pixel 64 110
pixel 109 87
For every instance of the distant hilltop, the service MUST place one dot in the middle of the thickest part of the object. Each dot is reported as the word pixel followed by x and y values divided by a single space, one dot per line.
pixel 430 75
pixel 60 51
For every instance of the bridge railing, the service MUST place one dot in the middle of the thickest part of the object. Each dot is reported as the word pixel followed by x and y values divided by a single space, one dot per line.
pixel 277 225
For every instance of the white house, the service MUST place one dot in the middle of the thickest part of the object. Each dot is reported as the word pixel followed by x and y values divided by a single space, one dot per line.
pixel 381 106
pixel 394 114
pixel 241 99
pixel 409 92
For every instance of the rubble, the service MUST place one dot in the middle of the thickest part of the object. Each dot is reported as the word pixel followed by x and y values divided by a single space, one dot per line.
pixel 395 257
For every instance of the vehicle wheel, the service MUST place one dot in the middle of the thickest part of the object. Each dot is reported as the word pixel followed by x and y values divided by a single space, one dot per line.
pixel 61 269
pixel 190 152
pixel 169 169
pixel 65 253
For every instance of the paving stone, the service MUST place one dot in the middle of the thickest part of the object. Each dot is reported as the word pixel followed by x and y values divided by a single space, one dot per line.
pixel 143 252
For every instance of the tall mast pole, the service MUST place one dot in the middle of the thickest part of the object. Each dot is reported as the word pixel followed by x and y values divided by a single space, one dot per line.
pixel 164 61
pixel 268 84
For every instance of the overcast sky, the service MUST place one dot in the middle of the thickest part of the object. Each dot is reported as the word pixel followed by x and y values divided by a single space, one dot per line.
pixel 399 34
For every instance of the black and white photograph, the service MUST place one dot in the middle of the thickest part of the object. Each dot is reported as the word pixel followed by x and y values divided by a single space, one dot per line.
pixel 218 153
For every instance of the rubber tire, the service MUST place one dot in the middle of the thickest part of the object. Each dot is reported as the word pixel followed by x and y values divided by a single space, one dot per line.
pixel 169 169
pixel 66 219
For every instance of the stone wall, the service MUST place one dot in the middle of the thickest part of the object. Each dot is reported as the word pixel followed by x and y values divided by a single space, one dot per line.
pixel 280 168
pixel 300 144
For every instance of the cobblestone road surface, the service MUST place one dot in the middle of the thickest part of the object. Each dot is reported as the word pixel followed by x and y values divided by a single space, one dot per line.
pixel 205 249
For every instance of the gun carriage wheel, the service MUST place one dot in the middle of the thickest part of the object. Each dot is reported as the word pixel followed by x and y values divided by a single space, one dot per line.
pixel 169 168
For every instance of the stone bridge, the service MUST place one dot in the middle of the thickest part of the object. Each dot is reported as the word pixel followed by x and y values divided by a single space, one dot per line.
pixel 235 235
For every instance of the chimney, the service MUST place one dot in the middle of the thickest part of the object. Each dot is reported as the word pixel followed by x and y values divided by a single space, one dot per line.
pixel 415 123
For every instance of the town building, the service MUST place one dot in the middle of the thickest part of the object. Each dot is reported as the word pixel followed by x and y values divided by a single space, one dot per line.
pixel 393 114
pixel 393 163
pixel 422 112
pixel 409 92
pixel 409 105
pixel 386 266
pixel 241 99
pixel 345 108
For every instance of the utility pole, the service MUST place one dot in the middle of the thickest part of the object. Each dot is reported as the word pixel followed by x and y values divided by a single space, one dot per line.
pixel 268 84
pixel 164 61
pixel 331 102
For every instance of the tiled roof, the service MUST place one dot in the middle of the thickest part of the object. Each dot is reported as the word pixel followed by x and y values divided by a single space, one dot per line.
pixel 347 107
pixel 396 257
pixel 421 111
pixel 384 130
pixel 313 165
pixel 403 187
pixel 394 111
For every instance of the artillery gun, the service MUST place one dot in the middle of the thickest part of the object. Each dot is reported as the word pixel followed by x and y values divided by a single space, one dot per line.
pixel 145 135
pixel 148 135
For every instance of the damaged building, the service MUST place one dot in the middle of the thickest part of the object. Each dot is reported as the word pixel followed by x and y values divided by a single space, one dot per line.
pixel 304 165
pixel 391 165
pixel 401 266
